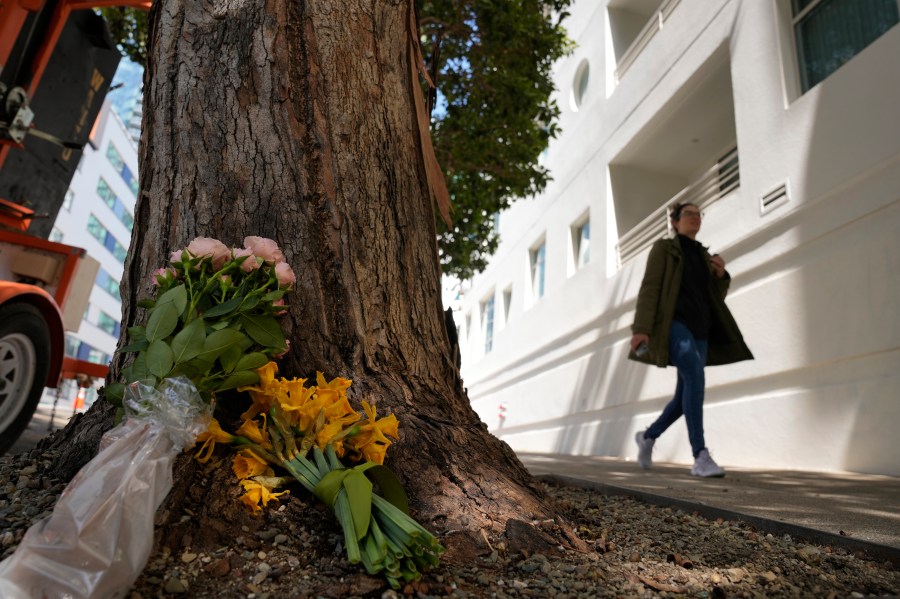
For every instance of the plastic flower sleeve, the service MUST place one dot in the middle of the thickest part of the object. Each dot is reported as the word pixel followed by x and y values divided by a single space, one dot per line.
pixel 99 536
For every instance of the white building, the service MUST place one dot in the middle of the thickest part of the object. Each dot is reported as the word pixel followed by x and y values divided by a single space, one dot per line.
pixel 778 117
pixel 98 215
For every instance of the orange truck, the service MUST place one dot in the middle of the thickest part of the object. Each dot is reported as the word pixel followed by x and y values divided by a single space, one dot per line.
pixel 56 64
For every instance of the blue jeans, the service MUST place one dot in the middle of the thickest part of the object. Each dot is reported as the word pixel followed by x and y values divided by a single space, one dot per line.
pixel 689 356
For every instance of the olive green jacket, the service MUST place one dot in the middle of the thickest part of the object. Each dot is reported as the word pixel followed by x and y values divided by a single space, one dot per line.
pixel 656 308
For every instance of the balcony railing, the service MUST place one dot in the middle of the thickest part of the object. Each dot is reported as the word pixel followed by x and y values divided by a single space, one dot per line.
pixel 715 183
pixel 654 24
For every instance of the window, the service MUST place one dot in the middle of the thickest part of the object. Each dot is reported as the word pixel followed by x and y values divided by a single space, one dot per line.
pixel 581 242
pixel 115 158
pixel 67 202
pixel 828 33
pixel 56 235
pixel 115 204
pixel 537 258
pixel 507 303
pixel 96 228
pixel 487 322
pixel 108 324
pixel 107 283
pixel 580 85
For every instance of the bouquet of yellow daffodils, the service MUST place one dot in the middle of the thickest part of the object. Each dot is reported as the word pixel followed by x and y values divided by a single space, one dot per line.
pixel 307 431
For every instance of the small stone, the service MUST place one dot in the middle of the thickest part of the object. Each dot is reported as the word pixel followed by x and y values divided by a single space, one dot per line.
pixel 187 557
pixel 634 557
pixel 518 584
pixel 260 577
pixel 768 576
pixel 261 555
pixel 280 539
pixel 176 586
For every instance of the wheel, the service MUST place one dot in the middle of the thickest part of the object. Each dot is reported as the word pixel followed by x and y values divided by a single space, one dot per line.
pixel 24 360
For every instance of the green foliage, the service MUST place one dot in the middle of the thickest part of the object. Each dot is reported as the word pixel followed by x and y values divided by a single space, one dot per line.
pixel 494 65
pixel 494 116
pixel 215 327
pixel 128 27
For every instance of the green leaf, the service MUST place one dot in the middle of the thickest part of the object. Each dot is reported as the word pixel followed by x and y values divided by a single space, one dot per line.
pixel 239 379
pixel 390 485
pixel 218 326
pixel 135 346
pixel 359 495
pixel 163 320
pixel 138 368
pixel 218 342
pixel 230 358
pixel 249 303
pixel 137 333
pixel 252 361
pixel 359 492
pixel 188 343
pixel 114 393
pixel 159 358
pixel 223 308
pixel 274 296
pixel 264 330
pixel 177 296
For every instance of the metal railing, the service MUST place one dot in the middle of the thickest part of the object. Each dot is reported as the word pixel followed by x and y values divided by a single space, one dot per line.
pixel 654 24
pixel 715 183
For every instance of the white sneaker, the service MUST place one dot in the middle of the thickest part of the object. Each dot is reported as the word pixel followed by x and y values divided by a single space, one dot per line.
pixel 706 467
pixel 645 450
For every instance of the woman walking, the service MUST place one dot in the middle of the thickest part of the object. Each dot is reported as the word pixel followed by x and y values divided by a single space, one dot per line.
pixel 681 319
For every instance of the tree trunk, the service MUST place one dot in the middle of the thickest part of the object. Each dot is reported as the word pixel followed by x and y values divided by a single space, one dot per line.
pixel 298 121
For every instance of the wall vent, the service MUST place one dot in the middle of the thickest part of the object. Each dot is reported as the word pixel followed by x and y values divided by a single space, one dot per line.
pixel 774 198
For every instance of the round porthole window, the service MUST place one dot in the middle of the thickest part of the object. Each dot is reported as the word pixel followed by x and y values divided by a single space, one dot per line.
pixel 580 84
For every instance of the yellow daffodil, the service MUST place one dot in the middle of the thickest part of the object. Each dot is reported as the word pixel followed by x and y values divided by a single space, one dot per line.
pixel 214 434
pixel 261 392
pixel 257 434
pixel 258 494
pixel 247 464
pixel 372 440
pixel 332 390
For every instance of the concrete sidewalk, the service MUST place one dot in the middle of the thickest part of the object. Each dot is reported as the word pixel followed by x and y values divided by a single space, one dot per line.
pixel 859 512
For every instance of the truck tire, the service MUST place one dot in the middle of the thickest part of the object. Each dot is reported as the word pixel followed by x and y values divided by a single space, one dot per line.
pixel 24 360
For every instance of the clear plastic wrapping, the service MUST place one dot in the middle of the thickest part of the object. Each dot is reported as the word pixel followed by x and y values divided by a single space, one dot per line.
pixel 99 536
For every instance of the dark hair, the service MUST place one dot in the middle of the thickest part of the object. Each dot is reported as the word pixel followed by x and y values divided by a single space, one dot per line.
pixel 675 210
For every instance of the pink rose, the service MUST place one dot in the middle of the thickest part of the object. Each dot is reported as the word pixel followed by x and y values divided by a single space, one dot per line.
pixel 279 302
pixel 175 256
pixel 285 274
pixel 211 248
pixel 251 263
pixel 158 274
pixel 264 248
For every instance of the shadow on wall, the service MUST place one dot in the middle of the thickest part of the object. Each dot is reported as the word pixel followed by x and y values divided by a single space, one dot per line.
pixel 850 288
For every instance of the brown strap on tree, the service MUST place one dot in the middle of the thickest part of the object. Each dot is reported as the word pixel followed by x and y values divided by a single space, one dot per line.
pixel 436 182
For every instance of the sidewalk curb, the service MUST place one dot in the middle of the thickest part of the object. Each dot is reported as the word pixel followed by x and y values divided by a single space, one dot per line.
pixel 875 551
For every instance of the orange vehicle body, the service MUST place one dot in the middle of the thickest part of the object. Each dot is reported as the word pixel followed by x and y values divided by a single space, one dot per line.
pixel 29 33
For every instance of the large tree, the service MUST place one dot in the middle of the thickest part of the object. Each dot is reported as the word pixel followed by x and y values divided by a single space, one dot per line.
pixel 305 122
pixel 491 112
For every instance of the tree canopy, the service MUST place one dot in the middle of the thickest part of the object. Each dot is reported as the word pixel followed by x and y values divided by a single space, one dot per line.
pixel 493 113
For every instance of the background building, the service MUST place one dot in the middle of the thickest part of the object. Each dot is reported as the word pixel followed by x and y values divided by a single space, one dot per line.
pixel 779 118
pixel 98 215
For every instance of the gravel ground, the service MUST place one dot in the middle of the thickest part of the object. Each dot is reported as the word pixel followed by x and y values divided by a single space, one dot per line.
pixel 639 550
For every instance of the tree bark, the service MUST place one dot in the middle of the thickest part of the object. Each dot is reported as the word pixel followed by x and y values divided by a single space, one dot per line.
pixel 297 121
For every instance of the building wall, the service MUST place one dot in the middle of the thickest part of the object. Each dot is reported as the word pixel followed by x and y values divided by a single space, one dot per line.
pixel 72 227
pixel 815 278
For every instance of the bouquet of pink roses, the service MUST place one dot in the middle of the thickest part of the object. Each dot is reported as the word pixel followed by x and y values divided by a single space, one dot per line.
pixel 213 319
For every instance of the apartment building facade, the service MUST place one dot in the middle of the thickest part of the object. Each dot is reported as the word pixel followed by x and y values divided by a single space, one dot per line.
pixel 779 119
pixel 98 215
